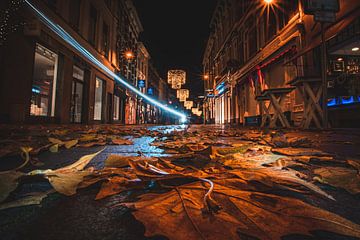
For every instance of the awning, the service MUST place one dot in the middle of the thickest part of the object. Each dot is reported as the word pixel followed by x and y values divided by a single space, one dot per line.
pixel 330 33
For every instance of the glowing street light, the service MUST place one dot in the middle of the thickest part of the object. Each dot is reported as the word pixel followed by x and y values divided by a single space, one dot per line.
pixel 129 55
pixel 268 1
pixel 206 77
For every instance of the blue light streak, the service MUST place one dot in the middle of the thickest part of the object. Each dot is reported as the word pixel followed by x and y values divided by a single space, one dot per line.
pixel 347 101
pixel 71 41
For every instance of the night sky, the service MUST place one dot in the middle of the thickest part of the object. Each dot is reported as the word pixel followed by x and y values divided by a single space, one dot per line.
pixel 175 34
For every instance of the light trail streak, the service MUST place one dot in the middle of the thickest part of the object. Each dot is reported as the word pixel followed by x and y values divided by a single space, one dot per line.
pixel 71 41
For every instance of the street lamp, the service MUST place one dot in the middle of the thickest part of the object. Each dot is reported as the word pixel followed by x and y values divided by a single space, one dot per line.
pixel 268 1
pixel 129 55
pixel 206 77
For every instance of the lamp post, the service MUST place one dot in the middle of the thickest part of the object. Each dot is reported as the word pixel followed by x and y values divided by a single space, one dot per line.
pixel 129 56
pixel 206 77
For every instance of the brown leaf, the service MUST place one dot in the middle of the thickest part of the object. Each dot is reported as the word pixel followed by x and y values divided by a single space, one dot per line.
pixel 113 186
pixel 93 144
pixel 179 214
pixel 118 161
pixel 31 199
pixel 121 141
pixel 71 143
pixel 345 178
pixel 56 141
pixel 197 147
pixel 88 138
pixel 8 183
pixel 300 152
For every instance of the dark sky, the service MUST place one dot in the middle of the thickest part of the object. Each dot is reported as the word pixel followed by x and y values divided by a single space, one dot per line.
pixel 175 33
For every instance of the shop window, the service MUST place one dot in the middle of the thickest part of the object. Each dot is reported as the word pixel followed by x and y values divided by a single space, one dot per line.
pixel 116 108
pixel 105 40
pixel 77 95
pixel 92 25
pixel 98 99
pixel 44 82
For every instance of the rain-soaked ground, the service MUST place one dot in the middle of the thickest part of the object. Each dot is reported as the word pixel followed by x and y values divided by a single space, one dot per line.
pixel 80 217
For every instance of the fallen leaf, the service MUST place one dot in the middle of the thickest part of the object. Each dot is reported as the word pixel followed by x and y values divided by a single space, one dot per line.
pixel 93 144
pixel 300 152
pixel 79 164
pixel 31 199
pixel 118 161
pixel 113 186
pixel 67 182
pixel 197 147
pixel 56 141
pixel 54 148
pixel 8 183
pixel 71 143
pixel 180 214
pixel 340 177
pixel 88 138
pixel 121 141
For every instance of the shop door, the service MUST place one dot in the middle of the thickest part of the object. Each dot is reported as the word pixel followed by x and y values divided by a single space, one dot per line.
pixel 76 101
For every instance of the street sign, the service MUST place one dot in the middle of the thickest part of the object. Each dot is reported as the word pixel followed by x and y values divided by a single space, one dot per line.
pixel 150 91
pixel 141 83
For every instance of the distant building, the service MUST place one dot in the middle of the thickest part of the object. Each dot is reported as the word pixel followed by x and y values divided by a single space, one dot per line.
pixel 143 58
pixel 253 47
pixel 160 90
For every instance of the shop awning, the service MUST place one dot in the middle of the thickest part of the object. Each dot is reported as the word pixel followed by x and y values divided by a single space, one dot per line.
pixel 330 33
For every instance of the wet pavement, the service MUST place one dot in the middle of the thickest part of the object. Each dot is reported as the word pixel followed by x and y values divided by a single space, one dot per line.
pixel 80 217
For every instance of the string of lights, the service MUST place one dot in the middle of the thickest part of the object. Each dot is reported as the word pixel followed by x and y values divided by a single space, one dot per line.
pixel 7 22
pixel 71 41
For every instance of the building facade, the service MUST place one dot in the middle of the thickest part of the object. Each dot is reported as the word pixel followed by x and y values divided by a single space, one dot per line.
pixel 255 46
pixel 43 79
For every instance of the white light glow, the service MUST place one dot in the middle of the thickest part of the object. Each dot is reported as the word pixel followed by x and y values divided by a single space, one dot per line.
pixel 355 49
pixel 71 41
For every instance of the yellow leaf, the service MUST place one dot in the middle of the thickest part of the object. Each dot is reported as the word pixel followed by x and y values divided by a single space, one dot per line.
pixel 70 144
pixel 56 141
pixel 54 148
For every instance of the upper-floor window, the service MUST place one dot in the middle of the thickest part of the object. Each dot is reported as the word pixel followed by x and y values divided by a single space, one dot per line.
pixel 74 14
pixel 105 40
pixel 271 27
pixel 92 25
pixel 286 11
pixel 52 4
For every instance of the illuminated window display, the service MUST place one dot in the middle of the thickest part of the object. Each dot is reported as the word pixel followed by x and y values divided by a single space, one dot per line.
pixel 44 82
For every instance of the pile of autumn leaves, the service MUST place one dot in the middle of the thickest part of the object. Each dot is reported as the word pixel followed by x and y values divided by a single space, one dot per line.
pixel 207 191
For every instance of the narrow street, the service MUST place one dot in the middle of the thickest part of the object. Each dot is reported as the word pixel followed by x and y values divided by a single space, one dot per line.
pixel 179 119
pixel 280 166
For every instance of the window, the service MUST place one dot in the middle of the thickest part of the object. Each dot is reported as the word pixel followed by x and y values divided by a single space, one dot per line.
pixel 92 25
pixel 271 25
pixel 105 40
pixel 44 82
pixel 98 99
pixel 116 108
pixel 77 95
pixel 52 4
pixel 74 16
